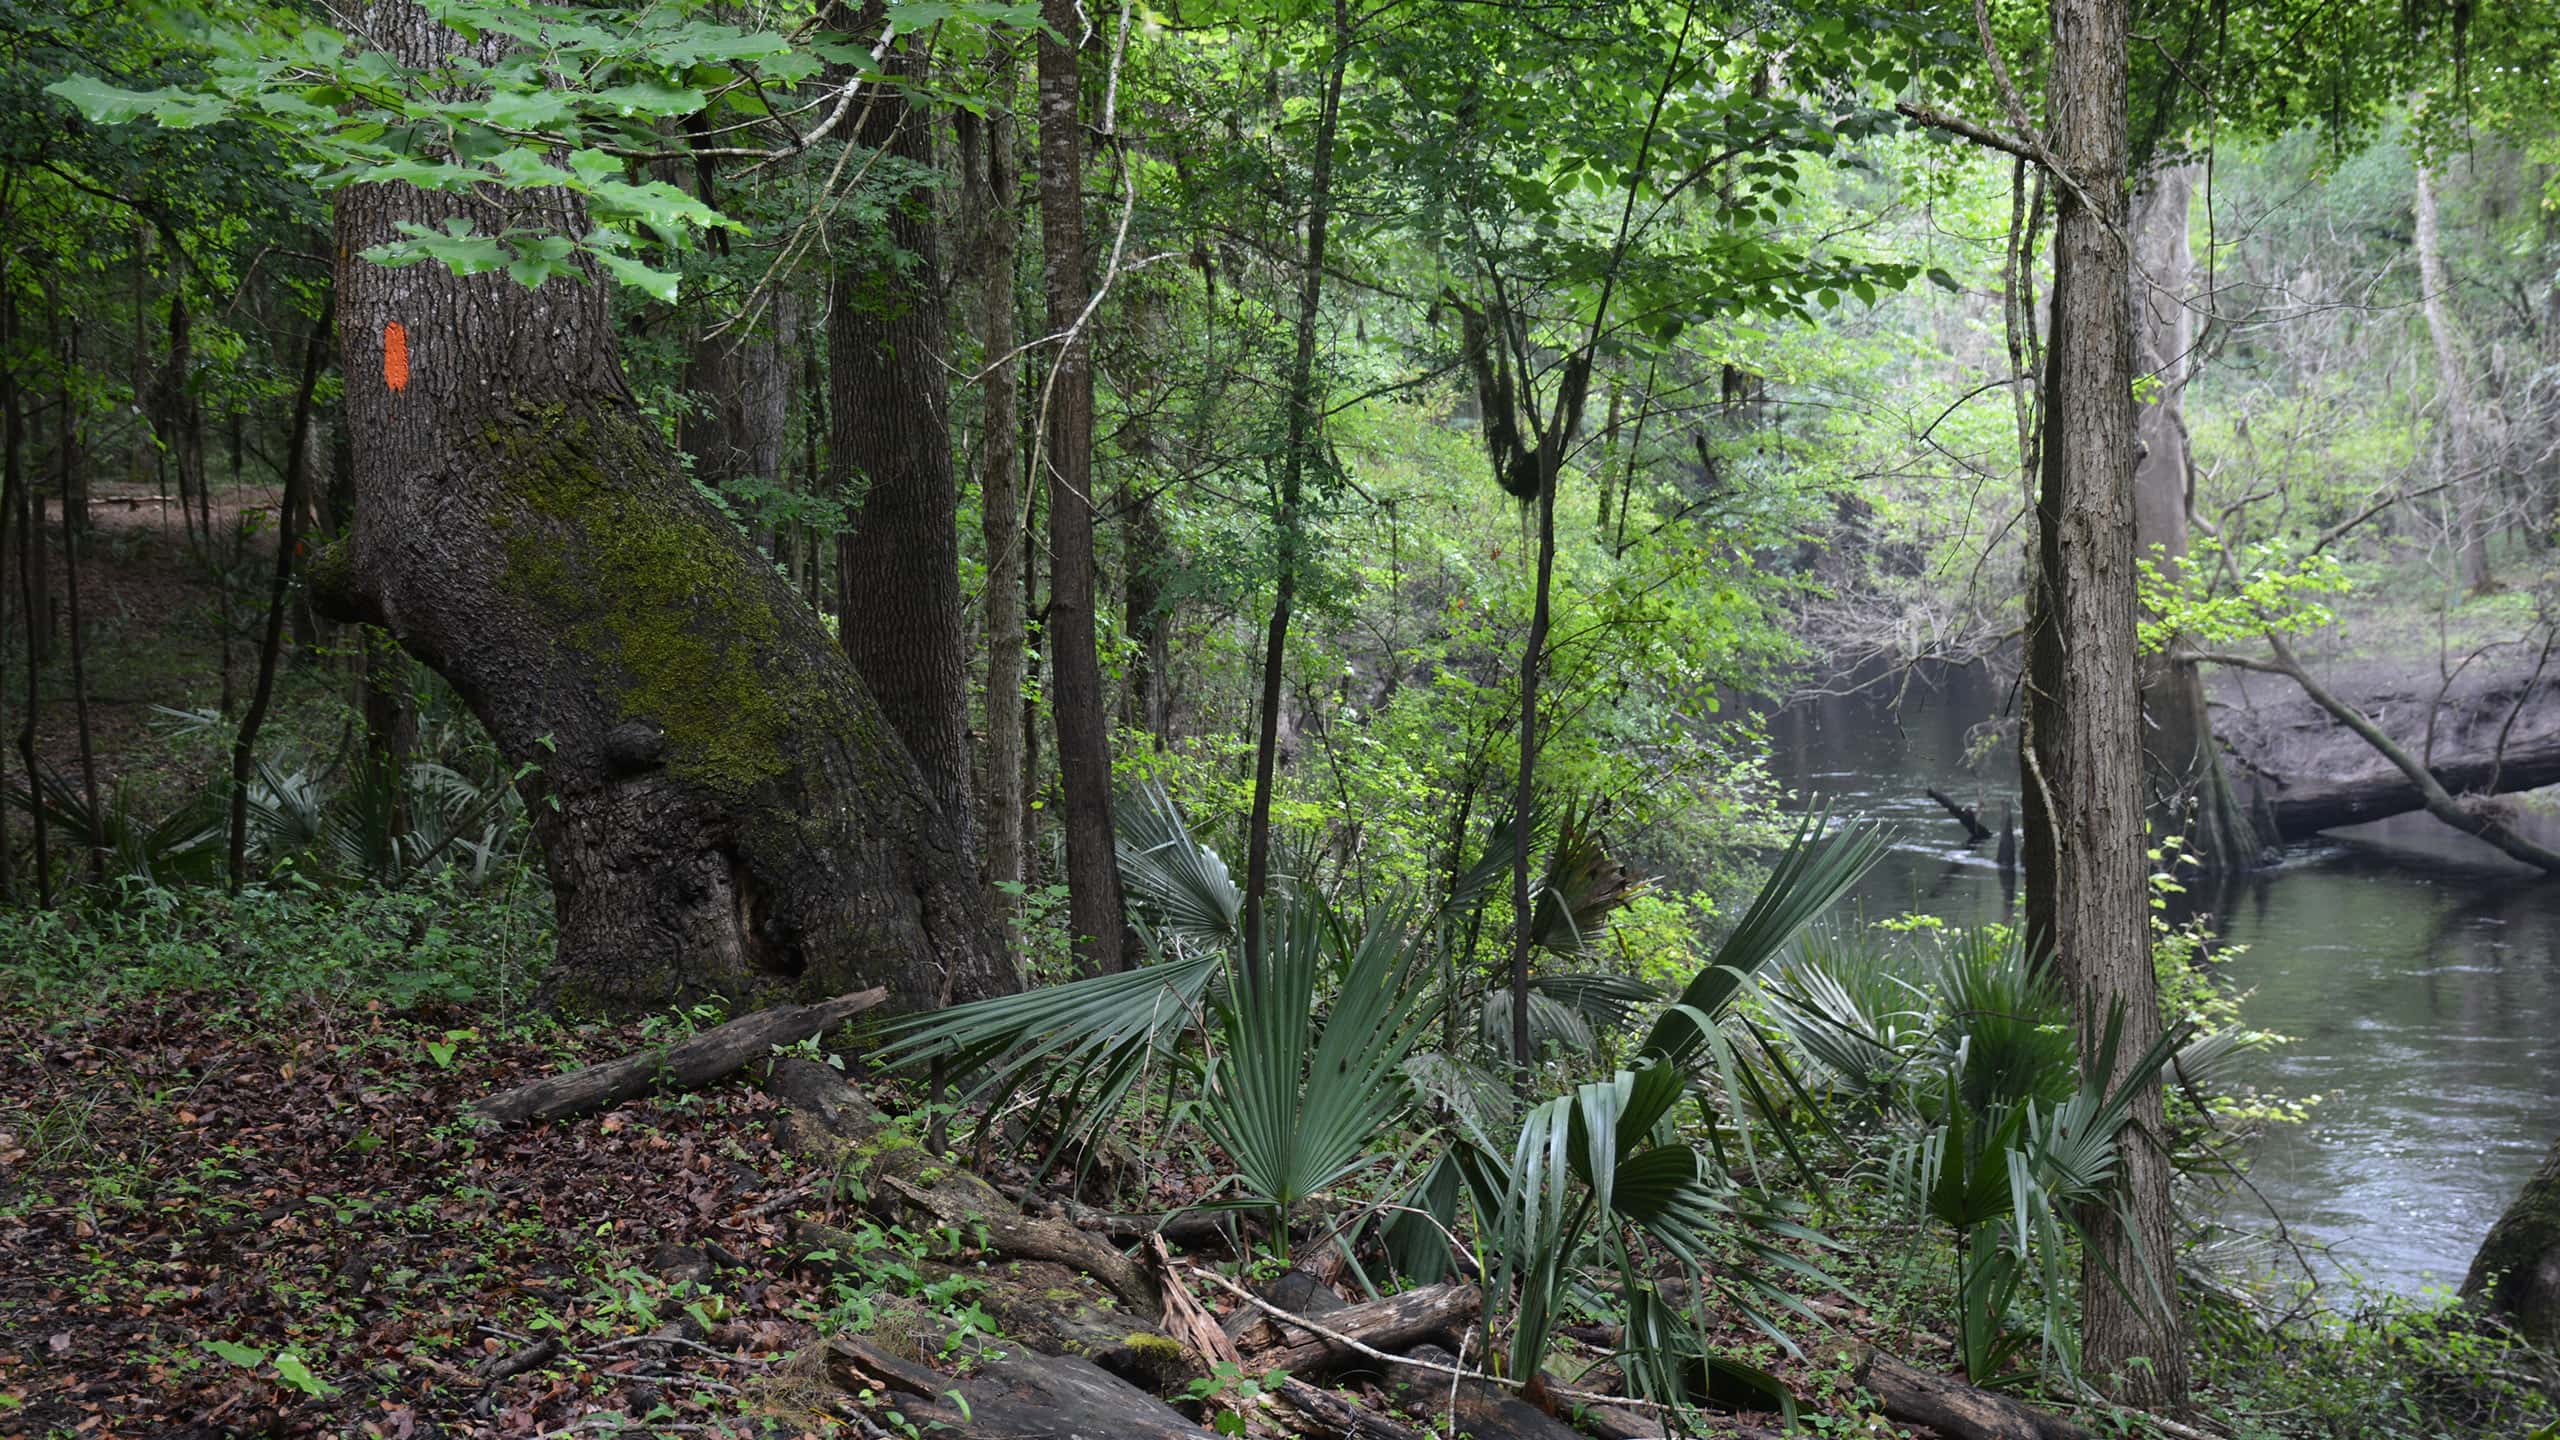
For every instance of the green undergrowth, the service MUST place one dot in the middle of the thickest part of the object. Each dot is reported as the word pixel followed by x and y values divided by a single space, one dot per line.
pixel 432 941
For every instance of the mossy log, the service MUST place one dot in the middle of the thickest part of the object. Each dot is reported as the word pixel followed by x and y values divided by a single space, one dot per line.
pixel 2517 1272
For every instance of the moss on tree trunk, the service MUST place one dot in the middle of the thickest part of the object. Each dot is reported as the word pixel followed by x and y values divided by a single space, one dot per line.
pixel 2517 1272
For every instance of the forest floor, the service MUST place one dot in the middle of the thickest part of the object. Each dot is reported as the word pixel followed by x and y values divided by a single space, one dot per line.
pixel 233 1217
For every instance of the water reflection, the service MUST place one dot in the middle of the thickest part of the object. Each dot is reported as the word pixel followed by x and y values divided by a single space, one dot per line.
pixel 2417 970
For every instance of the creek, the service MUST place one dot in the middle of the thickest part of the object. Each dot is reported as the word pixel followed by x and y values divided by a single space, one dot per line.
pixel 2416 971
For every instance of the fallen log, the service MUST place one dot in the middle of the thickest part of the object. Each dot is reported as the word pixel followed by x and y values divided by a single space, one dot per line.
pixel 712 1055
pixel 2304 809
pixel 1389 1324
pixel 1190 1229
pixel 1950 1406
pixel 1048 1397
pixel 1308 1410
pixel 2430 787
pixel 1975 832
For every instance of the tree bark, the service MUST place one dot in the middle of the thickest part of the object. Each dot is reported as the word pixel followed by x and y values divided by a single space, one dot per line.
pixel 2517 1272
pixel 2189 794
pixel 1389 1324
pixel 898 568
pixel 1287 523
pixel 1142 543
pixel 1094 907
pixel 993 185
pixel 1951 1407
pixel 723 807
pixel 13 481
pixel 29 515
pixel 2457 451
pixel 2086 868
pixel 740 396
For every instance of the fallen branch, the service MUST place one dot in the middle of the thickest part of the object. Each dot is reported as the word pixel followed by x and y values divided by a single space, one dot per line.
pixel 1311 1410
pixel 712 1055
pixel 1187 1228
pixel 1975 832
pixel 1338 1337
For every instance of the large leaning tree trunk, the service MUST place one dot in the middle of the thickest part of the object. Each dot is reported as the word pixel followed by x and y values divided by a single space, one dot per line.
pixel 722 807
pixel 2086 869
pixel 2189 793
pixel 1094 907
pixel 898 568
pixel 2517 1272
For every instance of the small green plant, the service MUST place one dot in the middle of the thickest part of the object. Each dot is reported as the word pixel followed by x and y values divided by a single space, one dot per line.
pixel 1227 1392
pixel 443 1051
pixel 288 1365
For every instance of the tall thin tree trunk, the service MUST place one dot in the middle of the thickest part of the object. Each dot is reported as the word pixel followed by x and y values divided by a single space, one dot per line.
pixel 1094 905
pixel 2086 871
pixel 1524 792
pixel 2459 449
pixel 721 805
pixel 2190 796
pixel 13 483
pixel 1142 542
pixel 30 581
pixel 1035 646
pixel 1289 522
pixel 244 746
pixel 68 459
pixel 813 430
pixel 184 424
pixel 994 198
pixel 898 568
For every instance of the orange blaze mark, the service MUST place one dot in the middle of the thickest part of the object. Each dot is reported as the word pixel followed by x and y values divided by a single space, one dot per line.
pixel 395 356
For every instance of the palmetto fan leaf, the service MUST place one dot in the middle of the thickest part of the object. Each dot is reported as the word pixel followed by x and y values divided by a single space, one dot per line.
pixel 1183 882
pixel 1298 1099
pixel 1080 1046
pixel 1816 870
pixel 1583 886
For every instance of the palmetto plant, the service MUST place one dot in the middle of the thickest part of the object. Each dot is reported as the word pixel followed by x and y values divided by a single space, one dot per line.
pixel 1994 1131
pixel 1075 1052
pixel 1300 1092
pixel 181 846
pixel 1298 1095
pixel 1598 1180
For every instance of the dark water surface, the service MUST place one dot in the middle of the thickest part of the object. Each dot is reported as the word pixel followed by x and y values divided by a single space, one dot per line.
pixel 2417 970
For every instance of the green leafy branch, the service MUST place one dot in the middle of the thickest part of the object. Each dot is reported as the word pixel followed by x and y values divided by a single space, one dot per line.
pixel 554 100
pixel 2278 592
